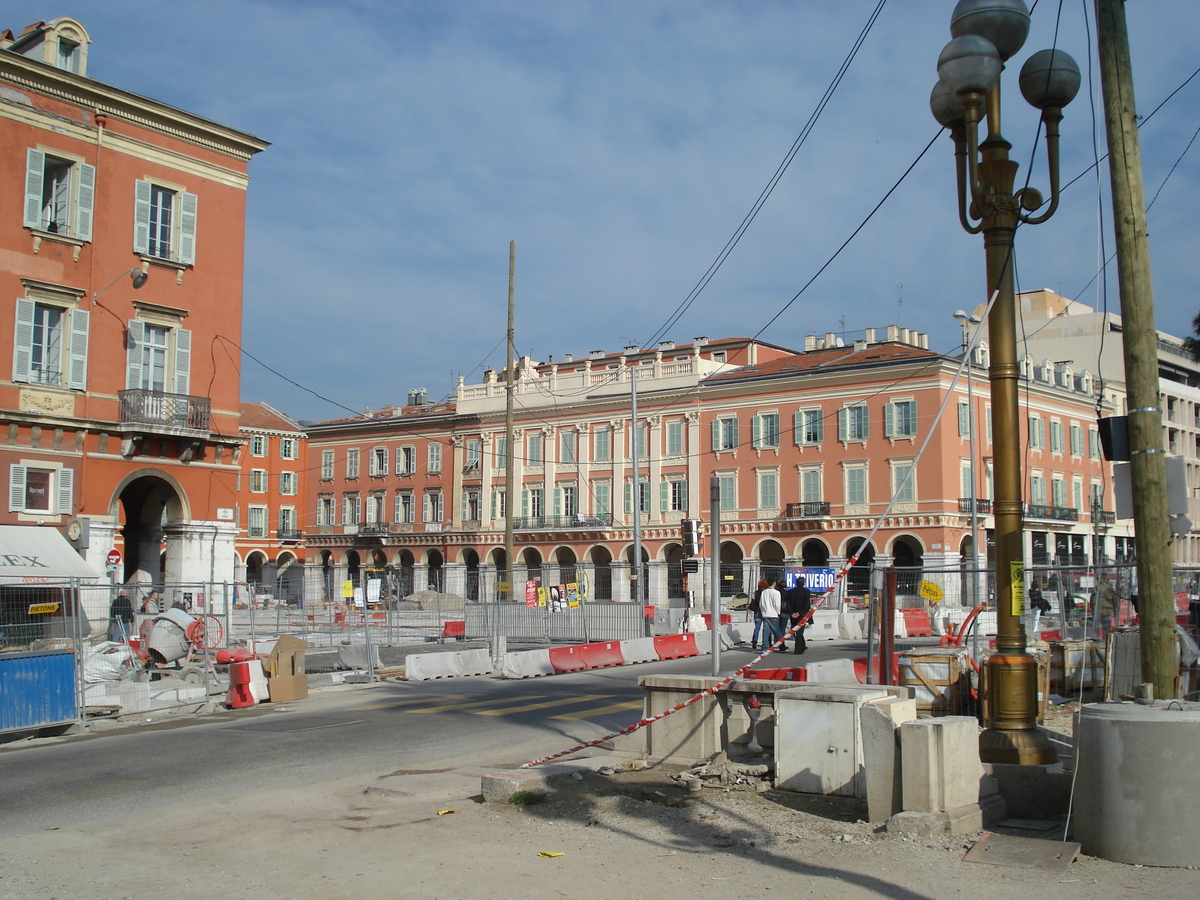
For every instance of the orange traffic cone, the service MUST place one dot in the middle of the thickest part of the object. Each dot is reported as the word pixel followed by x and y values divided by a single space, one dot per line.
pixel 239 696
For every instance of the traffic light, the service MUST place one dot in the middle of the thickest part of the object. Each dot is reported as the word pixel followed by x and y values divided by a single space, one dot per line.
pixel 691 537
pixel 689 566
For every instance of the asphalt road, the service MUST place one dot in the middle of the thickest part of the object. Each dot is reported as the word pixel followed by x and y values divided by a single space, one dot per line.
pixel 353 731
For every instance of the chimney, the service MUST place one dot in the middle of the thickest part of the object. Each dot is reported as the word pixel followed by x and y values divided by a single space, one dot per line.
pixel 860 346
pixel 569 357
pixel 700 341
pixel 596 354
pixel 830 339
pixel 631 348
pixel 666 345
pixel 810 342
pixel 870 335
pixel 893 332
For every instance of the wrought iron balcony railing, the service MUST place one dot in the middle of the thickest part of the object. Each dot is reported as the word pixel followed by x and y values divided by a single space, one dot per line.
pixel 562 523
pixel 814 509
pixel 1060 513
pixel 289 534
pixel 1105 517
pixel 982 507
pixel 375 528
pixel 144 407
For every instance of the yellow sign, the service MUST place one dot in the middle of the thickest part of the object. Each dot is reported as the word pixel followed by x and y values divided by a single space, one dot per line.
pixel 504 587
pixel 931 591
pixel 347 589
pixel 1017 574
pixel 41 609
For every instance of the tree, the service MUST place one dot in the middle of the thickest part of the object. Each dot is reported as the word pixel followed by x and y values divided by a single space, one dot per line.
pixel 1192 344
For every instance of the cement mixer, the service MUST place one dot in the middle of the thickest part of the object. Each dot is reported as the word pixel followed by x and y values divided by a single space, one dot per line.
pixel 175 635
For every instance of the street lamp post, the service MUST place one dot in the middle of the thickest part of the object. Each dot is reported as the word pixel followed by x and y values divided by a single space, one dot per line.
pixel 985 34
pixel 966 321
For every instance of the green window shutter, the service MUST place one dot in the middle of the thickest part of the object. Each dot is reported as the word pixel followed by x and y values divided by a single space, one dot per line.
pixel 133 358
pixel 77 367
pixel 35 172
pixel 756 432
pixel 141 217
pixel 843 417
pixel 628 498
pixel 524 504
pixel 664 496
pixel 16 488
pixel 493 504
pixel 716 434
pixel 187 228
pixel 23 341
pixel 889 420
pixel 684 488
pixel 85 199
pixel 798 428
pixel 558 502
pixel 183 360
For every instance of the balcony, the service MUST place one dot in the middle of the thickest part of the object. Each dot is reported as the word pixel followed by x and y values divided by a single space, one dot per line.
pixel 375 529
pixel 289 534
pixel 562 523
pixel 817 509
pixel 982 507
pixel 161 410
pixel 1105 517
pixel 1057 513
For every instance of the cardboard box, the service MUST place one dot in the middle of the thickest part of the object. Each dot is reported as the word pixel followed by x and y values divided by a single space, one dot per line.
pixel 284 667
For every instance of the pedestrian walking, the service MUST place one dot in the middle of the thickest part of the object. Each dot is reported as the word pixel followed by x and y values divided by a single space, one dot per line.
pixel 769 602
pixel 756 609
pixel 796 605
pixel 120 616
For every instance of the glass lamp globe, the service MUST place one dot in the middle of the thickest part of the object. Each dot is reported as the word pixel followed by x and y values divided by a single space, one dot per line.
pixel 1049 79
pixel 1003 22
pixel 969 64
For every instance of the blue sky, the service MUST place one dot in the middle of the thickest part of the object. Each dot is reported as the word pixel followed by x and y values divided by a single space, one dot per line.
pixel 619 144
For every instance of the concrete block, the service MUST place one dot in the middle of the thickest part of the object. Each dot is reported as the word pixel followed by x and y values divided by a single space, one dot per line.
pixel 880 722
pixel 825 626
pixel 639 650
pixel 940 763
pixel 687 737
pixel 429 666
pixel 852 625
pixel 832 671
pixel 354 656
pixel 739 632
pixel 475 662
pixel 963 820
pixel 527 664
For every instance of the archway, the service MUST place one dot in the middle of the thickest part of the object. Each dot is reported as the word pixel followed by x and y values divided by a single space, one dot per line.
pixel 858 579
pixel 908 557
pixel 814 554
pixel 601 560
pixel 638 594
pixel 436 571
pixel 673 556
pixel 967 577
pixel 353 565
pixel 147 503
pixel 531 559
pixel 404 567
pixel 770 560
pixel 329 595
pixel 731 569
pixel 256 562
pixel 470 560
pixel 289 579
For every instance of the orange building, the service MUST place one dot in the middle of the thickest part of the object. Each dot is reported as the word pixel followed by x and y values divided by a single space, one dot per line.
pixel 809 448
pixel 121 236
pixel 274 475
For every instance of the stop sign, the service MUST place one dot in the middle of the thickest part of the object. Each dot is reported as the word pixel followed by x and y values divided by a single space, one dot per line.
pixel 114 557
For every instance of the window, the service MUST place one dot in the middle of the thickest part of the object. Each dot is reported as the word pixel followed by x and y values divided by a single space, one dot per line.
pixel 433 507
pixel 727 491
pixel 70 56
pixel 673 495
pixel 36 490
pixel 499 504
pixel 602 498
pixel 405 507
pixel 350 509
pixel 352 463
pixel 566 447
pixel 59 194
pixel 725 434
pixel 326 465
pixel 406 460
pixel 471 510
pixel 900 419
pixel 718 356
pixel 675 439
pixel 325 510
pixel 1077 492
pixel 1058 491
pixel 159 358
pixel 1037 489
pixel 810 485
pixel 258 445
pixel 258 481
pixel 643 496
pixel 856 485
pixel 987 421
pixel 287 483
pixel 903 487
pixel 810 427
pixel 964 419
pixel 435 458
pixel 501 452
pixel 474 453
pixel 1056 436
pixel 965 475
pixel 378 461
pixel 764 431
pixel 533 503
pixel 852 423
pixel 1037 433
pixel 565 501
pixel 768 489
pixel 257 522
pixel 287 521
pixel 50 344
pixel 1076 440
pixel 1097 495
pixel 602 444
pixel 289 448
pixel 164 223
pixel 643 439
pixel 375 506
pixel 533 448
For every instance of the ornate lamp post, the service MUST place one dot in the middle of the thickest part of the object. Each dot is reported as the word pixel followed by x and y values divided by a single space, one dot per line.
pixel 986 33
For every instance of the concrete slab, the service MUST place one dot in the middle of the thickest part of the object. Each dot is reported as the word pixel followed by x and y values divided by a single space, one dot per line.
pixel 499 787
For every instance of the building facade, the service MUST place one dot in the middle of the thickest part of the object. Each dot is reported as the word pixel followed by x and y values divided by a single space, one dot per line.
pixel 809 450
pixel 122 234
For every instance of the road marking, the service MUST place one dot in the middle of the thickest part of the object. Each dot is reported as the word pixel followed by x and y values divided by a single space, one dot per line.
pixel 470 704
pixel 413 702
pixel 560 701
pixel 601 710
pixel 315 727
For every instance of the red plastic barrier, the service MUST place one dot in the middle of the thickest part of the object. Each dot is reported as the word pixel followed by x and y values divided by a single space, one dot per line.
pixel 599 656
pixel 916 622
pixel 236 655
pixel 239 696
pixel 454 630
pixel 1054 635
pixel 726 619
pixel 800 674
pixel 675 646
pixel 860 669
pixel 648 612
pixel 567 659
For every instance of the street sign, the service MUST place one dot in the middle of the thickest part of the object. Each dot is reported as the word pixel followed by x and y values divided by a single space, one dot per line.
pixel 114 557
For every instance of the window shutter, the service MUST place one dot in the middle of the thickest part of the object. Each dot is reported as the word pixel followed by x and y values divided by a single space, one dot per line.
pixel 889 419
pixel 628 498
pixel 866 423
pixel 716 434
pixel 964 420
pixel 35 172
pixel 684 488
pixel 756 429
pixel 664 496
pixel 183 360
pixel 798 427
pixel 16 488
pixel 77 370
pixel 133 359
pixel 187 228
pixel 819 426
pixel 85 199
pixel 141 217
pixel 524 504
pixel 558 502
pixel 843 416
pixel 23 340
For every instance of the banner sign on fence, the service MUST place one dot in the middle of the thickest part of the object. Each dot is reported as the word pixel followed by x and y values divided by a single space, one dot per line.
pixel 531 594
pixel 816 580
pixel 573 595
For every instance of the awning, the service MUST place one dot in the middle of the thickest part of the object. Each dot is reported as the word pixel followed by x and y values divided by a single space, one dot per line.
pixel 30 554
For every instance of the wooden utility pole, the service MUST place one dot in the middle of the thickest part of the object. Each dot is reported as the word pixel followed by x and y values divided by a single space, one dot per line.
pixel 1148 471
pixel 509 450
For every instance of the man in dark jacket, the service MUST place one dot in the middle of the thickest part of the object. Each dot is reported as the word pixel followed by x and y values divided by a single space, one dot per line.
pixel 797 602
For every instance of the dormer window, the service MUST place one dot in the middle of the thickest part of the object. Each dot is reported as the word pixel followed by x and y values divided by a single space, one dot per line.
pixel 70 55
